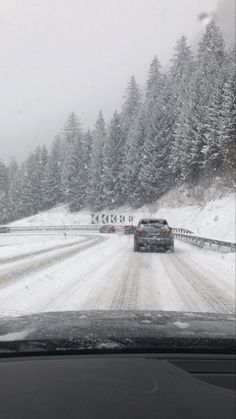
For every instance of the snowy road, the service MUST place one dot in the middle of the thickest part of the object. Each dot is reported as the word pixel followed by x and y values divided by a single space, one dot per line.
pixel 103 272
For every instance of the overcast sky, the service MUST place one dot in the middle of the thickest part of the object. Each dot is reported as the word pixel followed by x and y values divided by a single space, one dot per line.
pixel 62 55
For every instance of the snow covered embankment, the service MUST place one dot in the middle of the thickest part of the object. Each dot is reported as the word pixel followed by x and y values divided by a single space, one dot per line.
pixel 215 219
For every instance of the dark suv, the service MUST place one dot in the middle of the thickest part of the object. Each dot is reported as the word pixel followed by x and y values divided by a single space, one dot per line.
pixel 153 234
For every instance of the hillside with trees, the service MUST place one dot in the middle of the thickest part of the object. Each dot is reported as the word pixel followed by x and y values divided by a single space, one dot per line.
pixel 181 129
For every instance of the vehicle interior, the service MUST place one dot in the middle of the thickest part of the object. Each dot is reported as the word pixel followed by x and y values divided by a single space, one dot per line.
pixel 118 386
pixel 117 121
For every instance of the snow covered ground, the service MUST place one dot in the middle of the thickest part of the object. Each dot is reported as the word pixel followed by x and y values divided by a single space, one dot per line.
pixel 44 271
pixel 215 219
pixel 103 272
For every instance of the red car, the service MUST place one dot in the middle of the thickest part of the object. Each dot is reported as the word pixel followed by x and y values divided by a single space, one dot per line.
pixel 107 229
pixel 129 229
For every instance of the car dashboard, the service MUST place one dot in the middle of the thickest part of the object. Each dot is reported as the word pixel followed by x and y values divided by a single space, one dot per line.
pixel 111 386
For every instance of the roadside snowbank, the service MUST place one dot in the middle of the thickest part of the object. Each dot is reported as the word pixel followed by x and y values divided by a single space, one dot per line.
pixel 215 219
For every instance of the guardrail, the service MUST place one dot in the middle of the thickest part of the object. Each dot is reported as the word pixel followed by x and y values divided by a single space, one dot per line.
pixel 57 228
pixel 179 233
pixel 89 227
pixel 204 241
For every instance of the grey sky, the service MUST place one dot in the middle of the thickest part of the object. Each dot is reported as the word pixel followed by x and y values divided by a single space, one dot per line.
pixel 62 55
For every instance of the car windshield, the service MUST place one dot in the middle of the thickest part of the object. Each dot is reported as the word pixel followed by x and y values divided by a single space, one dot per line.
pixel 117 172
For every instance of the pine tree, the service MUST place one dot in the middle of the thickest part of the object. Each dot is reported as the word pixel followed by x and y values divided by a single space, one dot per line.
pixel 211 150
pixel 96 192
pixel 182 66
pixel 13 167
pixel 16 194
pixel 211 59
pixel 71 128
pixel 185 151
pixel 154 164
pixel 42 162
pixel 51 184
pixel 72 134
pixel 133 158
pixel 196 125
pixel 154 82
pixel 44 156
pixel 77 176
pixel 113 163
pixel 227 121
pixel 88 147
pixel 181 84
pixel 131 105
pixel 5 213
pixel 31 184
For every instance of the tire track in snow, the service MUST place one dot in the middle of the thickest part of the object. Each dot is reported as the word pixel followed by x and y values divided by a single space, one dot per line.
pixel 115 289
pixel 14 274
pixel 159 282
pixel 38 252
pixel 210 295
pixel 65 299
pixel 182 288
pixel 126 294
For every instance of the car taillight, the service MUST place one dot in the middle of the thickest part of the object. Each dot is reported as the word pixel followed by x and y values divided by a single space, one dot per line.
pixel 168 231
pixel 139 231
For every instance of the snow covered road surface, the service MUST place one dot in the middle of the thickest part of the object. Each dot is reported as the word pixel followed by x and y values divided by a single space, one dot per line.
pixel 11 270
pixel 15 245
pixel 105 273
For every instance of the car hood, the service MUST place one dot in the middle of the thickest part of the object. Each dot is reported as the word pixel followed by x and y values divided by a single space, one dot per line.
pixel 117 331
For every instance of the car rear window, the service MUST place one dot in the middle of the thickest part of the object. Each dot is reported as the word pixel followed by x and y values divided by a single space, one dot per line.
pixel 145 222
